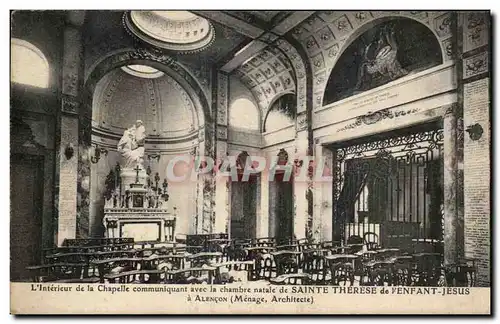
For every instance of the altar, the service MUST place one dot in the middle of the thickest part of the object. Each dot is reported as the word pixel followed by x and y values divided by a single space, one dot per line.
pixel 136 202
pixel 140 224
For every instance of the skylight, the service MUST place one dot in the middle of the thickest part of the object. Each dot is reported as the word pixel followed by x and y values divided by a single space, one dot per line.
pixel 173 30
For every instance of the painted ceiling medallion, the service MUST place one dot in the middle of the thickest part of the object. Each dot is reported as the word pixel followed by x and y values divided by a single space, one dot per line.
pixel 172 30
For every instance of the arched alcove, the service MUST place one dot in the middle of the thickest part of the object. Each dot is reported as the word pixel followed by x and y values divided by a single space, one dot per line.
pixel 390 50
pixel 172 123
pixel 28 64
pixel 281 114
pixel 125 95
pixel 244 114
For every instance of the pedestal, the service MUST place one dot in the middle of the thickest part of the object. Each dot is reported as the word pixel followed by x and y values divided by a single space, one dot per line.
pixel 129 176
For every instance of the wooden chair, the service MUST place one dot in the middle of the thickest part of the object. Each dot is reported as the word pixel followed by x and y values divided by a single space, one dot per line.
pixel 147 244
pixel 219 245
pixel 264 262
pixel 286 241
pixel 291 279
pixel 380 272
pixel 462 274
pixel 166 262
pixel 196 275
pixel 402 270
pixel 286 261
pixel 315 266
pixel 355 243
pixel 204 258
pixel 135 276
pixel 427 269
pixel 288 247
pixel 342 268
pixel 116 266
pixel 329 244
pixel 233 271
pixel 60 272
pixel 364 268
pixel 371 240
pixel 264 242
pixel 236 252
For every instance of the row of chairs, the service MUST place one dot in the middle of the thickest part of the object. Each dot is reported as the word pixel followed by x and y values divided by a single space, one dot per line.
pixel 218 259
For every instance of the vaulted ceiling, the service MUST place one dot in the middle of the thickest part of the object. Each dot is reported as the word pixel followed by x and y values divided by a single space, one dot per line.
pixel 243 44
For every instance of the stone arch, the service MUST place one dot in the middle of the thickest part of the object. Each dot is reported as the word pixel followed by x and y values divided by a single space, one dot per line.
pixel 267 75
pixel 326 34
pixel 206 130
pixel 157 60
pixel 302 71
pixel 377 21
pixel 364 29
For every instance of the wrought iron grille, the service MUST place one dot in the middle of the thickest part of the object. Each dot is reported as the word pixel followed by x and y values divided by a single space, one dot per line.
pixel 388 191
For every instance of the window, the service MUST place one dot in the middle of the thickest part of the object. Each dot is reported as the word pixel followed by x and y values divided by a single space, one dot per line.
pixel 281 114
pixel 244 114
pixel 28 65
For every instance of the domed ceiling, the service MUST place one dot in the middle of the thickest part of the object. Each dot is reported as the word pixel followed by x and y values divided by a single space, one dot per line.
pixel 161 103
pixel 173 30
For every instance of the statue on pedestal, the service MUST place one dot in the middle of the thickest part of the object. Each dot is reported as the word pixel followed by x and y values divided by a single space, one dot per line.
pixel 131 146
pixel 132 202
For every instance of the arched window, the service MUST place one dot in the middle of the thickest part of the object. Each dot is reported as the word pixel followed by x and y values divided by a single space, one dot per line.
pixel 281 114
pixel 384 53
pixel 244 114
pixel 28 64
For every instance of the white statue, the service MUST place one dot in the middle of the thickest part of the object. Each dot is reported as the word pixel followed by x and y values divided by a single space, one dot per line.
pixel 131 146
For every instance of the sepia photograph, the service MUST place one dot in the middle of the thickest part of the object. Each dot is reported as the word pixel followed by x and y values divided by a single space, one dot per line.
pixel 250 162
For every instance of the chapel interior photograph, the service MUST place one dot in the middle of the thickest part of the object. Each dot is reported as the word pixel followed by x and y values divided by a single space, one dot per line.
pixel 341 148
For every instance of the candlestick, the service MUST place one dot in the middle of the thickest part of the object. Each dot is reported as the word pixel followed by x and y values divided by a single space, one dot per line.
pixel 157 179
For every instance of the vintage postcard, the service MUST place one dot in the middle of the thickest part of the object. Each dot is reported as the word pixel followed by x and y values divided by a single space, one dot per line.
pixel 250 162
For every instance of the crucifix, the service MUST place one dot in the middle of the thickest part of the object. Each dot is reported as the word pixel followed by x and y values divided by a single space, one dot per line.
pixel 137 169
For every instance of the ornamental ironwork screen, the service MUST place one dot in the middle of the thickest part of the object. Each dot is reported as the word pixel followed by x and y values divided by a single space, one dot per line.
pixel 388 189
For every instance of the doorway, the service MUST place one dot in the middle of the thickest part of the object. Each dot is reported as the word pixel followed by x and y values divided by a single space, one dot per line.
pixel 26 196
pixel 389 187
pixel 244 199
pixel 281 209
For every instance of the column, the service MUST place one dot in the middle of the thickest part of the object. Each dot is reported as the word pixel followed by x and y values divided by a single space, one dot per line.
pixel 450 185
pixel 301 185
pixel 263 215
pixel 221 183
pixel 323 215
pixel 69 129
pixel 221 193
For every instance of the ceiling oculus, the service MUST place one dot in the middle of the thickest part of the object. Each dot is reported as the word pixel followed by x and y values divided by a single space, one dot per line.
pixel 142 71
pixel 172 30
